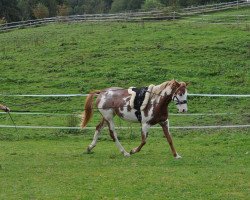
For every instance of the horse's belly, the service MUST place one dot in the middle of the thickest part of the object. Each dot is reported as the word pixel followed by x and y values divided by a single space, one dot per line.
pixel 129 116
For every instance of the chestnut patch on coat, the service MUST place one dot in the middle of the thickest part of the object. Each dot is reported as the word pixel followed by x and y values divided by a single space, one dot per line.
pixel 160 110
pixel 147 109
pixel 129 108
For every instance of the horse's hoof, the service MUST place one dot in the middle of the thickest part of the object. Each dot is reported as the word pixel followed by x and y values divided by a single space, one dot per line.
pixel 177 156
pixel 126 154
pixel 133 151
pixel 88 150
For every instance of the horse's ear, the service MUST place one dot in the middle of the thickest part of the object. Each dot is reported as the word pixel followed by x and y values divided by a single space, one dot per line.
pixel 173 81
pixel 187 83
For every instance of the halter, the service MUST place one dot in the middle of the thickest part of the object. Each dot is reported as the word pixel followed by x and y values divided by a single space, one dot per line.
pixel 178 101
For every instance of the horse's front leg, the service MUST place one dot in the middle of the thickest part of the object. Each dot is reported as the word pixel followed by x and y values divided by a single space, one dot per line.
pixel 144 135
pixel 165 128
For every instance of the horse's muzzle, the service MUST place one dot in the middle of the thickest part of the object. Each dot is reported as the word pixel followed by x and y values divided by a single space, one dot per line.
pixel 182 110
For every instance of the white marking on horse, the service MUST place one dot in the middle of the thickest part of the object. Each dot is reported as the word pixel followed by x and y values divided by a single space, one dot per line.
pixel 128 115
pixel 167 90
pixel 102 101
pixel 149 116
pixel 182 107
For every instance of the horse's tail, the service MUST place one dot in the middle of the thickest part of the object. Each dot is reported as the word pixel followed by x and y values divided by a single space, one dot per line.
pixel 88 108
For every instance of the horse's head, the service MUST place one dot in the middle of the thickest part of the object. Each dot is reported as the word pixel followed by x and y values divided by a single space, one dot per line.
pixel 180 97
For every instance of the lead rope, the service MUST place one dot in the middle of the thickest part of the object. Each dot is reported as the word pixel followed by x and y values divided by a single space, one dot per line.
pixel 13 121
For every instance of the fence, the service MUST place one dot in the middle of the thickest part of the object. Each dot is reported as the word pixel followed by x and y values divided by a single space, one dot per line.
pixel 121 127
pixel 127 16
pixel 214 7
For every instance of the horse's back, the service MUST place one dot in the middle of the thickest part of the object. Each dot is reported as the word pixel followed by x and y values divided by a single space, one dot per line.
pixel 113 97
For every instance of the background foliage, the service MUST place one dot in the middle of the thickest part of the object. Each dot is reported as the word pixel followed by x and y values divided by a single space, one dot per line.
pixel 14 10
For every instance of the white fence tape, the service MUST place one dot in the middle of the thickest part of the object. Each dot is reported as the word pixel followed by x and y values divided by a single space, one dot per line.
pixel 84 95
pixel 90 128
pixel 220 95
pixel 77 95
pixel 39 113
pixel 44 95
pixel 78 114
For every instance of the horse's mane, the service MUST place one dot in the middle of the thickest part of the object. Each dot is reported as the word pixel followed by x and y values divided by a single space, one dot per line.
pixel 159 88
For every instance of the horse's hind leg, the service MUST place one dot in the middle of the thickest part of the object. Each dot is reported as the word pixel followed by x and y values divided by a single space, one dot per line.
pixel 98 129
pixel 144 134
pixel 113 135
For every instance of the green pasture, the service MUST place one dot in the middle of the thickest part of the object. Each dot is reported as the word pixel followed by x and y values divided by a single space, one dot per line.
pixel 215 165
pixel 235 16
pixel 74 58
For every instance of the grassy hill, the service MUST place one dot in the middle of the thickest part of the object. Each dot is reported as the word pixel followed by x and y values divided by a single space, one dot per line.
pixel 79 57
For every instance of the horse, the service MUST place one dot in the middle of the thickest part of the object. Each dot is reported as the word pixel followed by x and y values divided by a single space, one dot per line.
pixel 116 101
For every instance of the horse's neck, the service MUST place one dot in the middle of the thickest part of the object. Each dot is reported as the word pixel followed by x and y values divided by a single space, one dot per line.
pixel 157 89
pixel 163 93
pixel 162 100
pixel 164 89
pixel 165 100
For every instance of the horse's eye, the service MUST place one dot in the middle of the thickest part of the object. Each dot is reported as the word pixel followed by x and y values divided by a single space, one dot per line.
pixel 181 94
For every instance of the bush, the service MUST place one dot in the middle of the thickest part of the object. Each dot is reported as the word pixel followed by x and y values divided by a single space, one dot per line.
pixel 118 6
pixel 152 4
pixel 41 11
pixel 63 10
pixel 170 9
pixel 3 20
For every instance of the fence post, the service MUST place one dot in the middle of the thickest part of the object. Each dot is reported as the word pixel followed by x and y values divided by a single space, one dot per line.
pixel 238 13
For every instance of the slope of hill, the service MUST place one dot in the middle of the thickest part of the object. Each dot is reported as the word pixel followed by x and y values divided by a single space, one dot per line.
pixel 77 58
pixel 80 57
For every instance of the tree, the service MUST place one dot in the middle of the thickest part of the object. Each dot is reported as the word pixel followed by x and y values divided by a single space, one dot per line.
pixel 123 5
pixel 108 4
pixel 25 9
pixel 134 4
pixel 51 5
pixel 41 11
pixel 3 20
pixel 63 10
pixel 94 6
pixel 78 10
pixel 9 10
pixel 152 4
pixel 118 6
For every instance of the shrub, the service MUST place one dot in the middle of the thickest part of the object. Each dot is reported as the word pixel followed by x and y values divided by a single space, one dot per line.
pixel 152 4
pixel 41 11
pixel 63 10
pixel 3 20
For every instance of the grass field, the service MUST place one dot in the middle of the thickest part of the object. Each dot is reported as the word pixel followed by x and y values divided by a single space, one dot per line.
pixel 77 58
pixel 213 166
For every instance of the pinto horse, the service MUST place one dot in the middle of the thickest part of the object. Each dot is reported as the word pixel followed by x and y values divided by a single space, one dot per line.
pixel 116 101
